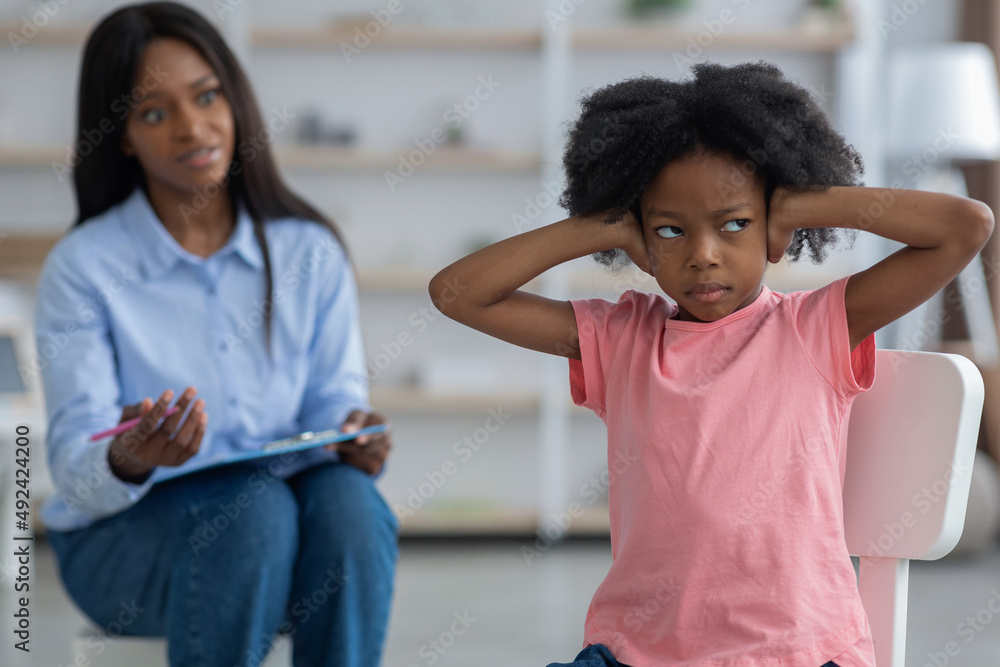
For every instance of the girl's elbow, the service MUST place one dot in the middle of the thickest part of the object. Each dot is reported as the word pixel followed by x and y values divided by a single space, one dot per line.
pixel 435 287
pixel 980 224
pixel 446 292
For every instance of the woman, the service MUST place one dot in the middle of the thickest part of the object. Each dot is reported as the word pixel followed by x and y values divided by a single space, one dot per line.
pixel 193 271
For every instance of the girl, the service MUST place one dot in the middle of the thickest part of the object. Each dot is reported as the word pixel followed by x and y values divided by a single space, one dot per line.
pixel 730 389
pixel 192 265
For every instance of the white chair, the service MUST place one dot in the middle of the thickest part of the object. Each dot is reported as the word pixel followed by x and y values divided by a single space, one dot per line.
pixel 911 445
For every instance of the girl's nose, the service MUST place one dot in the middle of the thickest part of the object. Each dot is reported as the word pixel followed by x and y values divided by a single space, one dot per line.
pixel 704 252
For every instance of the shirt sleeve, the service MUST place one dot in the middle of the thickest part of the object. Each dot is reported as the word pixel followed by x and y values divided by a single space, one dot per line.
pixel 337 383
pixel 599 325
pixel 82 395
pixel 820 318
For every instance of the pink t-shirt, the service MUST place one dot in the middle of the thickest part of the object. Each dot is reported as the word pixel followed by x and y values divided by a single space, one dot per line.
pixel 726 458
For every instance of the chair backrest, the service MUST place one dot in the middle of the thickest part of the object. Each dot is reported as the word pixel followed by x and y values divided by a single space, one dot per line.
pixel 910 449
pixel 911 444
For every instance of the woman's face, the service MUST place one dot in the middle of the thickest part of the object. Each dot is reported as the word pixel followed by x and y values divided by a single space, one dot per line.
pixel 181 130
pixel 705 226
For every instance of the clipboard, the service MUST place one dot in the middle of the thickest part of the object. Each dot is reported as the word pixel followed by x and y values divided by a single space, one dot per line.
pixel 296 443
pixel 309 439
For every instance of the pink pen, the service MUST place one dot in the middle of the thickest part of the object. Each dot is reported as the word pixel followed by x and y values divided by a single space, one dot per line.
pixel 126 425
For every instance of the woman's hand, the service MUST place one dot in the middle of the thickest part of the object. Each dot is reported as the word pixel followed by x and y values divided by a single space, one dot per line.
pixel 779 233
pixel 135 453
pixel 367 452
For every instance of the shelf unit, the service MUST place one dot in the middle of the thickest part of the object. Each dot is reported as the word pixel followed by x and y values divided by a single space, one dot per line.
pixel 21 255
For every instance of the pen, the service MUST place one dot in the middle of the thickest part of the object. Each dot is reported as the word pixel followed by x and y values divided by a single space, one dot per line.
pixel 126 425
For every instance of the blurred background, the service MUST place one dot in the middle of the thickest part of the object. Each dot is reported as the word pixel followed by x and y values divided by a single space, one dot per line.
pixel 428 128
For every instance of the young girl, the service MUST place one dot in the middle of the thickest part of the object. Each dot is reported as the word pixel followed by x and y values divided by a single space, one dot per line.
pixel 192 265
pixel 729 389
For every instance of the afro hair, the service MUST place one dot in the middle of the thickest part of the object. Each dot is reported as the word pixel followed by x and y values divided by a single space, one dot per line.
pixel 628 131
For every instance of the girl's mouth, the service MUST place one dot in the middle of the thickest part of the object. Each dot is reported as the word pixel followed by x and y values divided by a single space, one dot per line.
pixel 709 297
pixel 708 292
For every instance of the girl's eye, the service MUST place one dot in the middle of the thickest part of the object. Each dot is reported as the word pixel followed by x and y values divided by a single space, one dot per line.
pixel 736 225
pixel 152 116
pixel 669 232
pixel 208 96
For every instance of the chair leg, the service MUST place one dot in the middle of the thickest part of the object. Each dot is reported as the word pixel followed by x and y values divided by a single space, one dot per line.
pixel 883 584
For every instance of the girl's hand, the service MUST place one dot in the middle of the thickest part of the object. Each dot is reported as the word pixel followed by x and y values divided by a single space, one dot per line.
pixel 367 452
pixel 779 232
pixel 633 242
pixel 135 453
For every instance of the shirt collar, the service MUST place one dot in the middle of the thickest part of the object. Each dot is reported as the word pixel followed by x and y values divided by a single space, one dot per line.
pixel 161 251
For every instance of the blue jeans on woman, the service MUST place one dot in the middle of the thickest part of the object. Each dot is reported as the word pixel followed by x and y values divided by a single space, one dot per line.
pixel 221 560
pixel 598 655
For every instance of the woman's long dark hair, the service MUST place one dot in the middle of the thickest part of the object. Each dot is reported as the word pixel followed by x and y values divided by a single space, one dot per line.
pixel 104 176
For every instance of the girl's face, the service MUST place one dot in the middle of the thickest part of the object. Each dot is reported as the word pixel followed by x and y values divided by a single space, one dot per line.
pixel 705 226
pixel 181 130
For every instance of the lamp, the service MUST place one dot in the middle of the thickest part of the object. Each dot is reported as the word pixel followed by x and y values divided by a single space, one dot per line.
pixel 944 95
pixel 944 109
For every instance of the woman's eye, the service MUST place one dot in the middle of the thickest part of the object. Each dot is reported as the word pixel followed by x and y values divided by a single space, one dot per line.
pixel 669 232
pixel 152 116
pixel 736 225
pixel 208 96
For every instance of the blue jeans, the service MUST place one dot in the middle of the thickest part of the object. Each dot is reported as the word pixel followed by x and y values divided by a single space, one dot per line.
pixel 598 655
pixel 220 561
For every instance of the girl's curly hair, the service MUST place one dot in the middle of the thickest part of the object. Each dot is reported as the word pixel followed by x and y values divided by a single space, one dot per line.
pixel 629 130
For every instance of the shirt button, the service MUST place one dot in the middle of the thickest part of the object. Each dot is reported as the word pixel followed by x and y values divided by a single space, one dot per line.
pixel 232 401
pixel 223 347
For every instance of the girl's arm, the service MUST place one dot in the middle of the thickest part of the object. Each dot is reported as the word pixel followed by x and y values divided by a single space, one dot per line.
pixel 943 234
pixel 482 289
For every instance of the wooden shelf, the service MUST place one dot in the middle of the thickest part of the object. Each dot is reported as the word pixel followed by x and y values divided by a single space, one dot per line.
pixel 31 157
pixel 414 279
pixel 425 522
pixel 444 158
pixel 402 400
pixel 476 522
pixel 406 280
pixel 477 39
pixel 67 35
pixel 391 399
pixel 409 280
pixel 666 37
pixel 623 37
pixel 22 255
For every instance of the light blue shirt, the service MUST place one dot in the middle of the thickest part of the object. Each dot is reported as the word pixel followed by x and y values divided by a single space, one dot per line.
pixel 124 312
